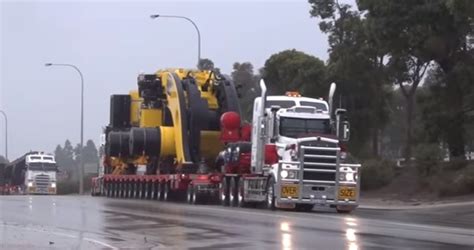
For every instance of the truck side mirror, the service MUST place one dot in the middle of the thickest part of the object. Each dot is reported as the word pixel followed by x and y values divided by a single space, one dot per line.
pixel 345 131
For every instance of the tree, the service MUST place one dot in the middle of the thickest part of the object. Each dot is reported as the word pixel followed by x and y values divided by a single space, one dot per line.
pixel 3 159
pixel 293 70
pixel 247 84
pixel 91 155
pixel 205 64
pixel 357 63
pixel 438 30
pixel 64 156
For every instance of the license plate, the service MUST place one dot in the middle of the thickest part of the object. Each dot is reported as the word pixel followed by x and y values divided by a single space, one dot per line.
pixel 289 191
pixel 347 193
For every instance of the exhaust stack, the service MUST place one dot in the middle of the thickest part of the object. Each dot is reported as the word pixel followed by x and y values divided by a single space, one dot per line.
pixel 332 90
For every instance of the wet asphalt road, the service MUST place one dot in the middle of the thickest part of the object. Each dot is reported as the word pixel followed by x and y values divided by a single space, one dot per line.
pixel 82 222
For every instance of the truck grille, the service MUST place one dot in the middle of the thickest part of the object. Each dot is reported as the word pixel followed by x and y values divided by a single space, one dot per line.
pixel 322 157
pixel 42 181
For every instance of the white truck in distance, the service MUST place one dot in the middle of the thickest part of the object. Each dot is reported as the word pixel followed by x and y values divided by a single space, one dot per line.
pixel 40 173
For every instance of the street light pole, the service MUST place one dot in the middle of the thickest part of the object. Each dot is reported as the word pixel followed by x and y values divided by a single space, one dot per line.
pixel 193 23
pixel 81 170
pixel 6 133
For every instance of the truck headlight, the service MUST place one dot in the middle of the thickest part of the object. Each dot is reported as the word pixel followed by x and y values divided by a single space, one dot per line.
pixel 53 185
pixel 289 174
pixel 284 174
pixel 30 184
pixel 349 176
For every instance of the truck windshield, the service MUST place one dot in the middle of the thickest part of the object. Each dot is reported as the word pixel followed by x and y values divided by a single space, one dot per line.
pixel 298 128
pixel 41 166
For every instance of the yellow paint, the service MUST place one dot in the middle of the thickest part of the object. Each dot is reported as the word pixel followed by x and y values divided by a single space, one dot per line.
pixel 150 118
pixel 167 141
pixel 135 104
pixel 210 144
pixel 175 109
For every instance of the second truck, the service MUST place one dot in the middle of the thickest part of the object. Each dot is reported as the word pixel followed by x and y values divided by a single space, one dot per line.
pixel 181 134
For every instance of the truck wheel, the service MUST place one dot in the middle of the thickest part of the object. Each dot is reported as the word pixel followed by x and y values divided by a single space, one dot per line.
pixel 224 192
pixel 344 209
pixel 233 192
pixel 270 201
pixel 190 196
pixel 240 195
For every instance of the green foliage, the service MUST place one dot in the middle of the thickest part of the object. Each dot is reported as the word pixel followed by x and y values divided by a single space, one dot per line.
pixel 357 64
pixel 460 182
pixel 91 155
pixel 427 158
pixel 3 159
pixel 377 173
pixel 439 31
pixel 205 64
pixel 68 157
pixel 247 85
pixel 293 70
pixel 65 156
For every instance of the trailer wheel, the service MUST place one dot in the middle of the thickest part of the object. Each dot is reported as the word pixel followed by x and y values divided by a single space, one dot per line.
pixel 107 189
pixel 240 195
pixel 270 201
pixel 224 192
pixel 166 191
pixel 233 192
pixel 121 189
pixel 159 195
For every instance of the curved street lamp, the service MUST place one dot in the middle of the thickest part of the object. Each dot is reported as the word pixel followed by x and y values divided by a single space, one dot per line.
pixel 81 170
pixel 155 16
pixel 6 133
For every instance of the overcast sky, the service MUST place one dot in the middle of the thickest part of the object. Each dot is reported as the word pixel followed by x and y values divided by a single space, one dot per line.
pixel 111 42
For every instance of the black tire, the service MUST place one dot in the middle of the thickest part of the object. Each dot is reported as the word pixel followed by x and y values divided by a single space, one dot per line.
pixel 107 189
pixel 166 191
pixel 154 190
pixel 343 211
pixel 121 189
pixel 198 198
pixel 131 192
pixel 159 195
pixel 270 200
pixel 224 192
pixel 190 195
pixel 233 191
pixel 240 195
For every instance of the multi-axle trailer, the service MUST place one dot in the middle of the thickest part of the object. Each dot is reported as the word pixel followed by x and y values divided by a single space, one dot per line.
pixel 181 135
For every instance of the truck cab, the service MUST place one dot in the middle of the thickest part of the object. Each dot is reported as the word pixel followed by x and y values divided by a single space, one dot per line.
pixel 309 142
pixel 40 174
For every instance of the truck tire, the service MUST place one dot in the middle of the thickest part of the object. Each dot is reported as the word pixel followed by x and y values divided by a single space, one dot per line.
pixel 240 195
pixel 224 192
pixel 233 191
pixel 190 195
pixel 270 200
